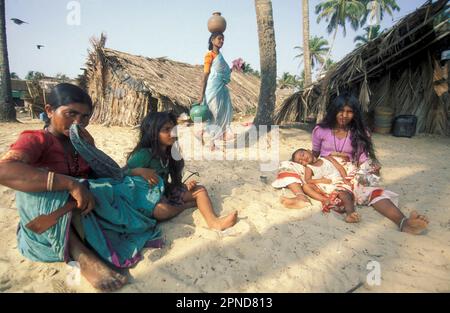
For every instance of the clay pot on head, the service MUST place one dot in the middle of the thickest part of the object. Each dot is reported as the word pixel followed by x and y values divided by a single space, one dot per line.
pixel 217 23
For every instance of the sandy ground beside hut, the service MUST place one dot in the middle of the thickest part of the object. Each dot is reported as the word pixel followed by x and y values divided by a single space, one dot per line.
pixel 271 249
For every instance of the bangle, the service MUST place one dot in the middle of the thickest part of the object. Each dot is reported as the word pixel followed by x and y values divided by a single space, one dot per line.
pixel 50 177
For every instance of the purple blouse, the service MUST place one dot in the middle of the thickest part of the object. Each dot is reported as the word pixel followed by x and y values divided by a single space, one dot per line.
pixel 324 141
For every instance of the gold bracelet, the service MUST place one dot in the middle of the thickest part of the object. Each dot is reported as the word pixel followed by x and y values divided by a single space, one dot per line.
pixel 50 177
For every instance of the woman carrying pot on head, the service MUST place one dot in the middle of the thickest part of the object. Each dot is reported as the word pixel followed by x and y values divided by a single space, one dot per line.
pixel 214 92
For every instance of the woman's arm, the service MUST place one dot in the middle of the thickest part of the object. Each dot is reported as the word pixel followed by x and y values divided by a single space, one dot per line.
pixel 338 166
pixel 146 173
pixel 203 86
pixel 23 177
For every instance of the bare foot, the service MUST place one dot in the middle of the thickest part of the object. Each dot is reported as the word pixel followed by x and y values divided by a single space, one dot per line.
pixel 99 275
pixel 352 218
pixel 294 203
pixel 415 224
pixel 225 222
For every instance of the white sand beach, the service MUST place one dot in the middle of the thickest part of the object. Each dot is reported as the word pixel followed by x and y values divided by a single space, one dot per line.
pixel 271 248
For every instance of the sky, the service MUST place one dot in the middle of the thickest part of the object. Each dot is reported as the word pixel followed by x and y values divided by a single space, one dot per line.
pixel 159 28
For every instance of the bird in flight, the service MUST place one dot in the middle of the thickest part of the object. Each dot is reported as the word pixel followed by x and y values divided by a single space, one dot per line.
pixel 18 21
pixel 40 46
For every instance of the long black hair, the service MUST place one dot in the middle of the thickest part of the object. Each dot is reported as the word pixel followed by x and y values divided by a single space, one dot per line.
pixel 149 139
pixel 65 94
pixel 211 38
pixel 360 138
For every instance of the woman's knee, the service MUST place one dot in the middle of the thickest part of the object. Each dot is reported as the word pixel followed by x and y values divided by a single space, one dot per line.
pixel 199 189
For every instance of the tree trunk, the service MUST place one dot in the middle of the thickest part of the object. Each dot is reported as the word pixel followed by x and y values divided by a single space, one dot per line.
pixel 268 62
pixel 329 52
pixel 306 51
pixel 7 111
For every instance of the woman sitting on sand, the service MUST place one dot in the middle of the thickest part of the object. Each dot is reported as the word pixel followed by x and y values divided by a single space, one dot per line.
pixel 118 218
pixel 157 155
pixel 343 135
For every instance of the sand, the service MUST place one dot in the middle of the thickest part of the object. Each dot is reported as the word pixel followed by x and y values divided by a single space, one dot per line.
pixel 271 248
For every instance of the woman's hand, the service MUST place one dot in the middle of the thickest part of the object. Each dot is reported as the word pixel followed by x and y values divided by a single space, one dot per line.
pixel 148 174
pixel 84 198
pixel 190 185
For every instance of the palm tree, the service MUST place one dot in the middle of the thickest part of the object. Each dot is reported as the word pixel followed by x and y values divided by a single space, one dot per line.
pixel 288 80
pixel 318 49
pixel 338 13
pixel 268 62
pixel 306 41
pixel 379 8
pixel 32 75
pixel 14 75
pixel 371 34
pixel 7 111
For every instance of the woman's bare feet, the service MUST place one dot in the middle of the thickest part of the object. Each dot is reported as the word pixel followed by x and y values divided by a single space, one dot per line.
pixel 352 218
pixel 415 224
pixel 294 203
pixel 99 275
pixel 222 223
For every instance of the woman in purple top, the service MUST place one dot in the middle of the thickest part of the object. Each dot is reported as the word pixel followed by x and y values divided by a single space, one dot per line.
pixel 343 133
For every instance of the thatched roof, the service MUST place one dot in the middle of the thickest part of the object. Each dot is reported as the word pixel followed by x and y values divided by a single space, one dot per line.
pixel 159 78
pixel 180 82
pixel 371 69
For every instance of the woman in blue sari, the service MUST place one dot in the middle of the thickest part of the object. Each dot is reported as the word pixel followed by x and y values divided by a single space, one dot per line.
pixel 112 219
pixel 214 92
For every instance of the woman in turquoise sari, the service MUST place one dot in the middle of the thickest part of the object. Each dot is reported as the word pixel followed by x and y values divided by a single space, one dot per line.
pixel 214 92
pixel 112 219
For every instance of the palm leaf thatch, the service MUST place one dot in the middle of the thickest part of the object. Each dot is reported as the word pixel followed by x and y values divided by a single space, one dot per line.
pixel 125 87
pixel 394 70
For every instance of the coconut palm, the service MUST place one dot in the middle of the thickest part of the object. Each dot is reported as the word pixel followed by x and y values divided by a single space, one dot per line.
pixel 288 80
pixel 371 34
pixel 337 13
pixel 32 75
pixel 384 6
pixel 7 111
pixel 318 49
pixel 14 75
pixel 268 62
pixel 378 8
pixel 306 40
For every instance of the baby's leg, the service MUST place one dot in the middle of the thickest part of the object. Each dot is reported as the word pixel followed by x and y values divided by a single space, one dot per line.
pixel 347 200
pixel 299 201
pixel 314 192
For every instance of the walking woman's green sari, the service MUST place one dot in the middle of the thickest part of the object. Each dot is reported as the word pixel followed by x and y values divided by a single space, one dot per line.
pixel 217 97
pixel 119 227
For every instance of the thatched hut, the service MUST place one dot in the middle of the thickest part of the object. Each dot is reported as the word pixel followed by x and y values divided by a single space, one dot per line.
pixel 400 69
pixel 125 87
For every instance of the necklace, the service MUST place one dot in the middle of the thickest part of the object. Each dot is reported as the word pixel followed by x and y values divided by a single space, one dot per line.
pixel 335 146
pixel 164 165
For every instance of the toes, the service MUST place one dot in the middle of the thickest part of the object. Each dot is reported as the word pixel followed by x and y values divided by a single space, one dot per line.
pixel 413 215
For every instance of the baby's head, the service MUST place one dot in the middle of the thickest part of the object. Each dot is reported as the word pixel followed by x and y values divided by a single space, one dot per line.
pixel 302 156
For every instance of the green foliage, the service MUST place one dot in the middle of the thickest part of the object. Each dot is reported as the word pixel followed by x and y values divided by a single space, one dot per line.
pixel 32 75
pixel 318 47
pixel 246 68
pixel 339 12
pixel 372 32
